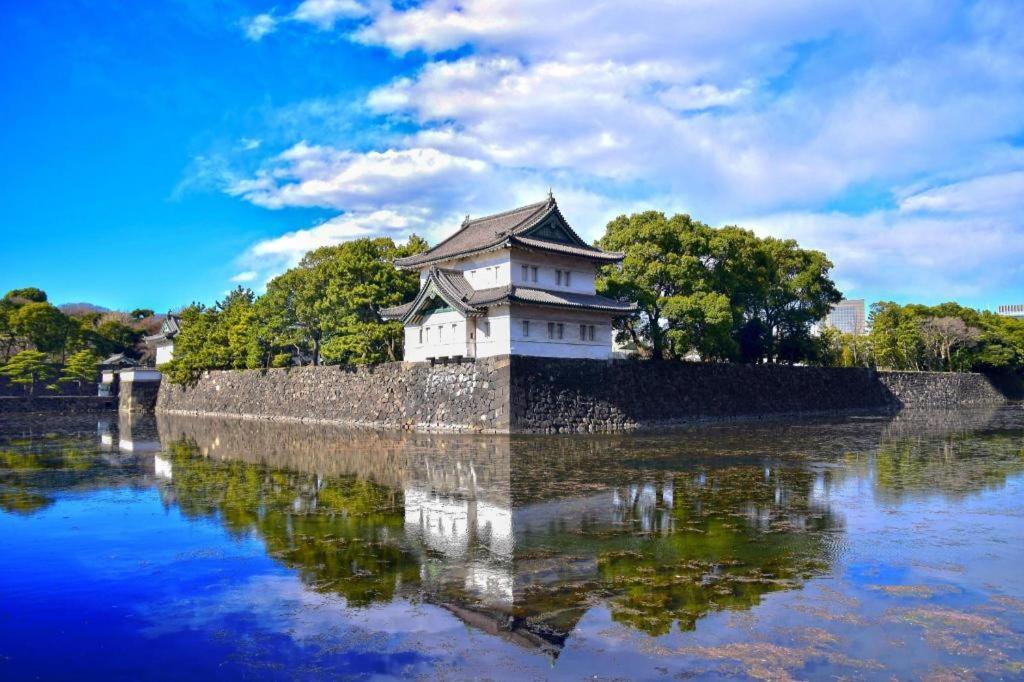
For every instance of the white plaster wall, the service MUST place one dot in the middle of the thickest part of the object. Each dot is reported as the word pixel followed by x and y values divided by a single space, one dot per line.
pixel 440 338
pixel 485 271
pixel 164 353
pixel 570 345
pixel 499 340
pixel 581 281
pixel 139 374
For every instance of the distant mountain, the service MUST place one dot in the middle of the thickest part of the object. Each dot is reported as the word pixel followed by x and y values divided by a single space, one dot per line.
pixel 81 308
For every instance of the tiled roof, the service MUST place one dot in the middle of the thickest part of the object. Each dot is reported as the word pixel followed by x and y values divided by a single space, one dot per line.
pixel 452 286
pixel 482 234
pixel 567 299
pixel 457 292
pixel 589 252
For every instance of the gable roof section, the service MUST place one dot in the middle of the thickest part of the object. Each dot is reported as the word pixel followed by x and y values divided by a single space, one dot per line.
pixel 448 285
pixel 538 226
pixel 453 288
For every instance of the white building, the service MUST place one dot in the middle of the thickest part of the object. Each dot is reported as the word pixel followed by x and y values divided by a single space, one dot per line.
pixel 163 343
pixel 514 283
pixel 1016 311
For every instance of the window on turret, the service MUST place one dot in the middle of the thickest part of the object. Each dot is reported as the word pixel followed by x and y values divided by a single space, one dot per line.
pixel 526 327
pixel 551 330
pixel 420 336
pixel 533 273
pixel 526 273
pixel 558 277
pixel 583 332
pixel 561 330
pixel 567 278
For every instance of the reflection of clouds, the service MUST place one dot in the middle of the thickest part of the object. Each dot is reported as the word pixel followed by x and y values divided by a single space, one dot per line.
pixel 282 604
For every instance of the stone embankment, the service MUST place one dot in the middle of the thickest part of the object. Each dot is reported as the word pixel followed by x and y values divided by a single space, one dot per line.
pixel 468 396
pixel 521 394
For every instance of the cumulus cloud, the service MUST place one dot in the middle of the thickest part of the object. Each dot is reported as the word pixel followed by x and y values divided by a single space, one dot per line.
pixel 255 28
pixel 314 175
pixel 324 13
pixel 910 257
pixel 776 109
pixel 247 276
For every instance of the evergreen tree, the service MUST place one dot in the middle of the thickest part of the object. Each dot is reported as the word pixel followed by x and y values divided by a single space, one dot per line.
pixel 81 367
pixel 28 368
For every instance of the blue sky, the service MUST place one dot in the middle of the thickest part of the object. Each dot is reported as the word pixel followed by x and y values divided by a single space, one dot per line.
pixel 207 143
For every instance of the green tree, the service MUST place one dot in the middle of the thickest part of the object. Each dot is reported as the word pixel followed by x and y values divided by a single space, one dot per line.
pixel 141 313
pixel 81 367
pixel 723 292
pixel 42 326
pixel 28 368
pixel 665 272
pixel 26 295
pixel 213 338
pixel 113 336
pixel 327 306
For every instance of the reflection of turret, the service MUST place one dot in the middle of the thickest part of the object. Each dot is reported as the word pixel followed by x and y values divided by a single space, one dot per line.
pixel 137 433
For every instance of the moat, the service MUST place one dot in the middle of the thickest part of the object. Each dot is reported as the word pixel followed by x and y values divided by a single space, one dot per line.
pixel 854 547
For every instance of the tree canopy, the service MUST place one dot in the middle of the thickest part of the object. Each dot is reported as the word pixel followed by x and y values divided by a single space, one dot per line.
pixel 324 310
pixel 723 293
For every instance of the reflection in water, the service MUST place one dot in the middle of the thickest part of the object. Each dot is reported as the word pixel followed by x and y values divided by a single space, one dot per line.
pixel 523 536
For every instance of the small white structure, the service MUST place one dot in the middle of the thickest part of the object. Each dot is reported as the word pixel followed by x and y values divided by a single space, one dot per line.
pixel 514 283
pixel 163 342
pixel 1016 311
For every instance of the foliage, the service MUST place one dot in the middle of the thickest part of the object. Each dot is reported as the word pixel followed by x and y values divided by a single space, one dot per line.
pixel 323 310
pixel 81 367
pixel 722 293
pixel 944 337
pixel 213 338
pixel 28 368
pixel 26 295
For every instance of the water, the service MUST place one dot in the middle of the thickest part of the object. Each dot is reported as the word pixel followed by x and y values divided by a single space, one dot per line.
pixel 865 548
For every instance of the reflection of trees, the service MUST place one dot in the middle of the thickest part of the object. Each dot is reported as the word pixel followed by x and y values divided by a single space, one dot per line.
pixel 33 468
pixel 714 541
pixel 342 534
pixel 689 543
pixel 954 465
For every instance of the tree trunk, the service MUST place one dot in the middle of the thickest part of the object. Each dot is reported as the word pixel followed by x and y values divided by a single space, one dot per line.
pixel 316 351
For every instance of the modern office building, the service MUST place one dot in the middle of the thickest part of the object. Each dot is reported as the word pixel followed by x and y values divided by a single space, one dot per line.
pixel 848 317
pixel 1016 311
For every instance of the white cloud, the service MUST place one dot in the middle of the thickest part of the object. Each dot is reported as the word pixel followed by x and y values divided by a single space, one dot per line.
pixel 988 194
pixel 255 28
pixel 247 276
pixel 324 13
pixel 770 108
pixel 312 175
pixel 910 257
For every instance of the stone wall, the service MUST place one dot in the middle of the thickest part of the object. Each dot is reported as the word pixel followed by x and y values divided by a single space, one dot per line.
pixel 525 394
pixel 584 395
pixel 468 396
pixel 138 397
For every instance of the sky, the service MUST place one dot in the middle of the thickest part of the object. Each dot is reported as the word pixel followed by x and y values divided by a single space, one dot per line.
pixel 159 153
